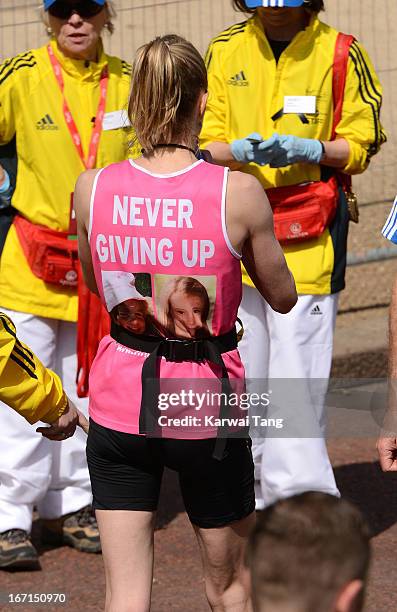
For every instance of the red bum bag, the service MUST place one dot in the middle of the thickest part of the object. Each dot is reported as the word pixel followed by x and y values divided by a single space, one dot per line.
pixel 302 212
pixel 51 255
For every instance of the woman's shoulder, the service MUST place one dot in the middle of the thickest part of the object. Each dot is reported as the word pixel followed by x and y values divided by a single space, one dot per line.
pixel 86 180
pixel 242 181
pixel 115 168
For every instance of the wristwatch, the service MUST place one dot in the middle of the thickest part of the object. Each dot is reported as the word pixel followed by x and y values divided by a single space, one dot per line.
pixel 323 149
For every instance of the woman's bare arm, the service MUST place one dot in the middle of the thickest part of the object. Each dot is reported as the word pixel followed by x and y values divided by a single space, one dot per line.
pixel 250 228
pixel 336 153
pixel 222 155
pixel 82 198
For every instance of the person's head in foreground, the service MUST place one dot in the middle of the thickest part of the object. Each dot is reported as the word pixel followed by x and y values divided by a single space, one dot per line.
pixel 309 553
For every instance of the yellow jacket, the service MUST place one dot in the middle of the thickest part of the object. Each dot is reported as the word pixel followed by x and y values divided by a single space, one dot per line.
pixel 25 384
pixel 246 91
pixel 48 163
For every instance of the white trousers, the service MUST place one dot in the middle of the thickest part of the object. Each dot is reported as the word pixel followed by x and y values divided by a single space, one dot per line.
pixel 297 345
pixel 33 470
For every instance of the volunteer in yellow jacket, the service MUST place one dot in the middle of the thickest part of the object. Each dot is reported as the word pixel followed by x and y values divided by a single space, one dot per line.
pixel 35 393
pixel 64 103
pixel 270 113
pixel 32 390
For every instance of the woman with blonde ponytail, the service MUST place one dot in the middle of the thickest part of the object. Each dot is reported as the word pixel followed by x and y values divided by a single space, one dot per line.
pixel 168 219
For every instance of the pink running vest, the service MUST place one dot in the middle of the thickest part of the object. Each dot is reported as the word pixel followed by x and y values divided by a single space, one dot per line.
pixel 164 266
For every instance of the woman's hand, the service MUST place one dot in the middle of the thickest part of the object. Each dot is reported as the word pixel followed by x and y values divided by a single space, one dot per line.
pixel 65 426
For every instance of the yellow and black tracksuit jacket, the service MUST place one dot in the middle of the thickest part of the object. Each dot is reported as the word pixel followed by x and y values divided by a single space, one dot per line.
pixel 25 384
pixel 246 94
pixel 48 163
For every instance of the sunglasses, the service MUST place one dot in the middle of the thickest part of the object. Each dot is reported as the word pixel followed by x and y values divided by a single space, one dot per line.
pixel 64 10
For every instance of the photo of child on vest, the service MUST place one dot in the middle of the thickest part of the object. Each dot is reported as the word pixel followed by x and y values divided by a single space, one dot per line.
pixel 132 315
pixel 184 304
pixel 128 298
pixel 179 307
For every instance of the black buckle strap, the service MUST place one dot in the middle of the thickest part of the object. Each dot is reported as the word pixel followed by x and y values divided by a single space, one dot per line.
pixel 184 350
pixel 177 350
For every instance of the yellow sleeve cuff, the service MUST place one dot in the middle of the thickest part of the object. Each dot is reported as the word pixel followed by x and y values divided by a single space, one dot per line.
pixel 58 410
pixel 358 158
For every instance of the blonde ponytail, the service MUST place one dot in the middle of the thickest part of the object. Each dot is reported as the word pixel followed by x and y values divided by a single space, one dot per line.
pixel 168 75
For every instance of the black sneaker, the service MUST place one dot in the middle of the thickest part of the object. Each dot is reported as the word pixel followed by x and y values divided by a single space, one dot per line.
pixel 78 530
pixel 17 551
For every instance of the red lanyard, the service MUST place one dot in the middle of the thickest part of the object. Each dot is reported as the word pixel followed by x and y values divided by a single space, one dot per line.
pixel 96 133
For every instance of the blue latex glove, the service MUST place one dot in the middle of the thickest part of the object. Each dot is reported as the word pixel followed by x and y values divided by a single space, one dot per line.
pixel 279 150
pixel 246 149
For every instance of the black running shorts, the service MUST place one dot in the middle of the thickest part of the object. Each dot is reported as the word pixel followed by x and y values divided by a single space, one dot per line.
pixel 126 472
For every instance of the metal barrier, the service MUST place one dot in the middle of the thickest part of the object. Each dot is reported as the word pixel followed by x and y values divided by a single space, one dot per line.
pixel 372 255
